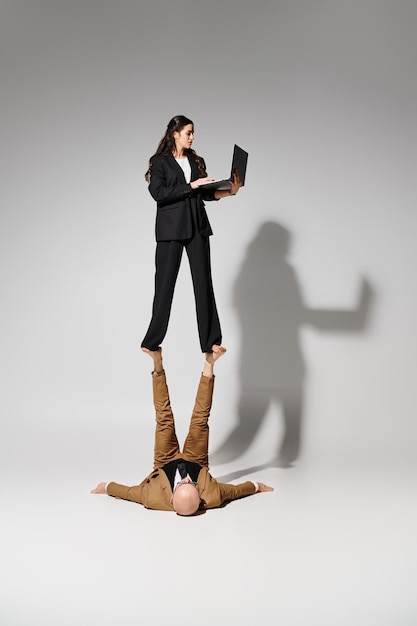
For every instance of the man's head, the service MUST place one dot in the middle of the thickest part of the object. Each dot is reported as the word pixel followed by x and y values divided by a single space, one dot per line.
pixel 186 498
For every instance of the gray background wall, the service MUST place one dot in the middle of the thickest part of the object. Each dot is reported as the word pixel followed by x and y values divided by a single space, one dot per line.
pixel 313 262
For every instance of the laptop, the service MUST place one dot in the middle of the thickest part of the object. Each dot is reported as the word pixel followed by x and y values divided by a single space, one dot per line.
pixel 239 162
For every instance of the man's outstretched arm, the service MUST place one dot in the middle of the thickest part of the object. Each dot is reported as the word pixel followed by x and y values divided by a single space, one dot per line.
pixel 234 492
pixel 134 494
pixel 215 494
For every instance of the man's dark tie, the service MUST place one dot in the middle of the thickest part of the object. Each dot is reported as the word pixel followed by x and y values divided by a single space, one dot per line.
pixel 181 467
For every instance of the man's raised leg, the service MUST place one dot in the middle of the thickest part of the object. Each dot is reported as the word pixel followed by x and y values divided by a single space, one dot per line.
pixel 166 443
pixel 196 444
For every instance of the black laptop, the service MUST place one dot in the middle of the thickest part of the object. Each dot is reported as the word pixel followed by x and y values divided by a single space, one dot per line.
pixel 239 163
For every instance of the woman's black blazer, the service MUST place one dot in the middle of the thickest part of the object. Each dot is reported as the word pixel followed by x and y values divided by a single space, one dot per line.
pixel 176 201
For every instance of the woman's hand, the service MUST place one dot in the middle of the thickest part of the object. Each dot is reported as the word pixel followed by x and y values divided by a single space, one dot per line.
pixel 236 183
pixel 200 181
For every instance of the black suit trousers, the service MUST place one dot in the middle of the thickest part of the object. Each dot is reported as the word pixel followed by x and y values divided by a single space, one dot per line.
pixel 167 263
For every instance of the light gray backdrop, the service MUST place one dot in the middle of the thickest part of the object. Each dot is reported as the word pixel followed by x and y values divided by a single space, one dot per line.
pixel 314 272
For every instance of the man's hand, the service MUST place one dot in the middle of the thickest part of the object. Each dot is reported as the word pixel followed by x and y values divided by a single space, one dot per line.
pixel 101 488
pixel 263 487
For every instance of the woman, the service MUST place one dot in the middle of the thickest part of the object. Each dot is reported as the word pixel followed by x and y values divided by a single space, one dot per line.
pixel 175 175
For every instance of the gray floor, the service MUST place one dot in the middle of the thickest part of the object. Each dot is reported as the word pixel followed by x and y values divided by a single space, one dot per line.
pixel 333 544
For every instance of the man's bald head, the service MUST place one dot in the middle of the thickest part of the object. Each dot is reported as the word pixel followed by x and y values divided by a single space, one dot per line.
pixel 186 499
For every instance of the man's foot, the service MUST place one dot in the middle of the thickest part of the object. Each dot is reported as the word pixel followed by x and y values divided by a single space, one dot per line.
pixel 210 359
pixel 216 353
pixel 156 356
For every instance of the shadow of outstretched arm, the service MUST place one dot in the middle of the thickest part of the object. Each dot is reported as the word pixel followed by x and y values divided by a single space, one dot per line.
pixel 248 471
pixel 334 320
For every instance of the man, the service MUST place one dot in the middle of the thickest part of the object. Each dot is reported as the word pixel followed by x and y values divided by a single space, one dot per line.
pixel 181 482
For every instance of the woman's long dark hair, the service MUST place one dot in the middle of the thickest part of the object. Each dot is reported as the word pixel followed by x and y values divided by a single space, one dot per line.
pixel 167 145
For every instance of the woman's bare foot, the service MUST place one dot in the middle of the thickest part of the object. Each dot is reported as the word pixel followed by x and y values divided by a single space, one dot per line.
pixel 156 355
pixel 216 353
pixel 211 358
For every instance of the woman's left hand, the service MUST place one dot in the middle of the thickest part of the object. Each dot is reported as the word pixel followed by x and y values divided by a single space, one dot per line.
pixel 236 183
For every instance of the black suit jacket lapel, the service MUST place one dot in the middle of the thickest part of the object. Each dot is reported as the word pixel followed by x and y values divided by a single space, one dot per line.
pixel 177 167
pixel 194 168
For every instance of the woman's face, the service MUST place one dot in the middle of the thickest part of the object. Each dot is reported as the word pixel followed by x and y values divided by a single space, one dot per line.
pixel 184 138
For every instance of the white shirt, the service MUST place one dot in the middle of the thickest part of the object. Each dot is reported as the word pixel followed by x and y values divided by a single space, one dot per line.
pixel 186 168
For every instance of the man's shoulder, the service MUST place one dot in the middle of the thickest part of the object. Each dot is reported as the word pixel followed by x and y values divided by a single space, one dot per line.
pixel 205 478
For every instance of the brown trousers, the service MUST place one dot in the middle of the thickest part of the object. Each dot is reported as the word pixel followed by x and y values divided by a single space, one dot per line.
pixel 166 443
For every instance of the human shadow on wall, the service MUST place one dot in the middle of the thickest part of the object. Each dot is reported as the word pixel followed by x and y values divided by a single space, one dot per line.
pixel 270 310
